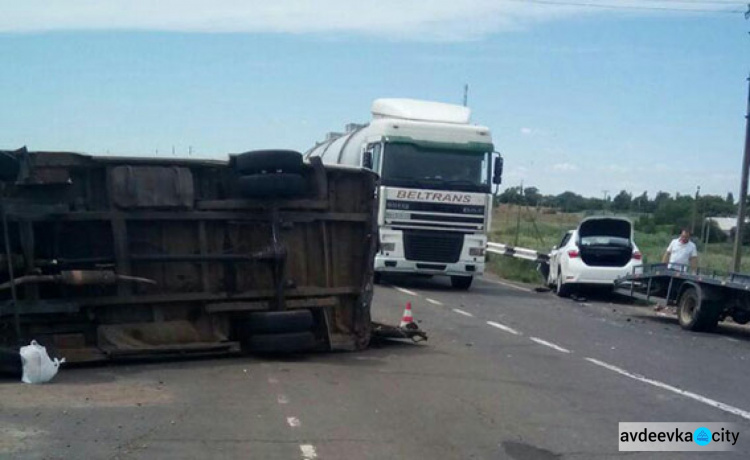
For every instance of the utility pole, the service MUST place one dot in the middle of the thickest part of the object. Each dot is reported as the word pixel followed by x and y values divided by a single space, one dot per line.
pixel 466 94
pixel 695 210
pixel 604 201
pixel 737 258
pixel 518 216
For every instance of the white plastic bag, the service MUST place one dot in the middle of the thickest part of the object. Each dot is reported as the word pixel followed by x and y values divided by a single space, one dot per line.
pixel 37 365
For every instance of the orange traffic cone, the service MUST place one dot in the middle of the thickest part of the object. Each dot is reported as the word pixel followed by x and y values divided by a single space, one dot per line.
pixel 407 318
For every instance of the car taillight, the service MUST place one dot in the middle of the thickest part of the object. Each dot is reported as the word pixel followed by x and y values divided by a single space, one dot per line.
pixel 637 255
pixel 573 253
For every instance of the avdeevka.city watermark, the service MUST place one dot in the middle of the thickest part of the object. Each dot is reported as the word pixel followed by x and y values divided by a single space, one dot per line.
pixel 679 437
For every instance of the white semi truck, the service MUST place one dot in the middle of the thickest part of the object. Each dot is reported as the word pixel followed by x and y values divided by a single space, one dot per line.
pixel 435 194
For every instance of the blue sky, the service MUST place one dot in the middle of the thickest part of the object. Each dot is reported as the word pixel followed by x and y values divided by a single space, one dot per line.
pixel 577 98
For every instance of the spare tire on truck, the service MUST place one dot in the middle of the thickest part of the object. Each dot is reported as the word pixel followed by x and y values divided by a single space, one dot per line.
pixel 293 342
pixel 268 161
pixel 274 322
pixel 280 185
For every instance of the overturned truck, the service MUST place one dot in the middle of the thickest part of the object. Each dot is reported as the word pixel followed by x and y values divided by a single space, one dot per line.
pixel 105 258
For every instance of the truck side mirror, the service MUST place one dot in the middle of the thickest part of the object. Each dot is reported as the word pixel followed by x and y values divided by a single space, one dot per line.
pixel 497 174
pixel 367 159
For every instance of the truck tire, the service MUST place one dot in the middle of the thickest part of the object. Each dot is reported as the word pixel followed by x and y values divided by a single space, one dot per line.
pixel 281 185
pixel 377 278
pixel 462 283
pixel 273 322
pixel 270 161
pixel 562 289
pixel 282 343
pixel 696 315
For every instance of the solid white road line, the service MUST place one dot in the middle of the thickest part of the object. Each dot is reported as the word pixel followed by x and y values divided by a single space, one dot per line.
pixel 406 291
pixel 308 451
pixel 282 399
pixel 512 286
pixel 503 327
pixel 433 301
pixel 461 312
pixel 293 422
pixel 549 345
pixel 713 403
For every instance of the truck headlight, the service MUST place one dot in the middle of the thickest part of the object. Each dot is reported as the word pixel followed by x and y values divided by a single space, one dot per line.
pixel 476 252
pixel 387 247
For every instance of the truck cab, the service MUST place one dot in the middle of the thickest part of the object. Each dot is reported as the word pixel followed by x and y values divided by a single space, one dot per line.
pixel 435 193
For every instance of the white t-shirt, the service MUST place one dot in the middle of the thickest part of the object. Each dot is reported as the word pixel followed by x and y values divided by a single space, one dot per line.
pixel 680 253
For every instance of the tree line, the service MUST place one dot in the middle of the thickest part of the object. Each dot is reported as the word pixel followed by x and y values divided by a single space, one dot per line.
pixel 663 212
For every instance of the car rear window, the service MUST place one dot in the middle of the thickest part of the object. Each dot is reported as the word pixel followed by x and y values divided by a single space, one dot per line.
pixel 604 241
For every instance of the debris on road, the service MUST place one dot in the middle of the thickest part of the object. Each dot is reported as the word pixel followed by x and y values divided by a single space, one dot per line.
pixel 37 365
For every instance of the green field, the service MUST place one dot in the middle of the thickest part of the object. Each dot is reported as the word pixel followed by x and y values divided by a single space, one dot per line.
pixel 542 228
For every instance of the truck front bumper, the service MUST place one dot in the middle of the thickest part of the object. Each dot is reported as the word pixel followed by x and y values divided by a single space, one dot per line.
pixel 387 264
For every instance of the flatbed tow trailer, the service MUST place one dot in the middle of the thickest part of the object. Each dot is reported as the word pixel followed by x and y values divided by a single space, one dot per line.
pixel 703 297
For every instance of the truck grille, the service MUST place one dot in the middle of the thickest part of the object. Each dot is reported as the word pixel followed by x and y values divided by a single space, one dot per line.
pixel 426 246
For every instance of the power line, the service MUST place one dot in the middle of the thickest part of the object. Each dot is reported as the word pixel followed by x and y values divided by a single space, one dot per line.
pixel 642 7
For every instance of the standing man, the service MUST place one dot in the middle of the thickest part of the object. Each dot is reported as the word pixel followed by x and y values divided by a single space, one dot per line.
pixel 682 251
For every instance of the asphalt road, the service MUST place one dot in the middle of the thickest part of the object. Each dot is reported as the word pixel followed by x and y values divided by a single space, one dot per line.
pixel 507 373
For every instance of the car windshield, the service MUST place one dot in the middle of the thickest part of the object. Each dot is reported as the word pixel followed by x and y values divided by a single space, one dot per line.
pixel 604 240
pixel 409 165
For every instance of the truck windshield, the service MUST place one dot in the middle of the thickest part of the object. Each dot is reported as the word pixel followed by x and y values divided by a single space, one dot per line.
pixel 409 165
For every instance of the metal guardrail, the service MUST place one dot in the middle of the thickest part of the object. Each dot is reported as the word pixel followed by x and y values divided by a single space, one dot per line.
pixel 518 253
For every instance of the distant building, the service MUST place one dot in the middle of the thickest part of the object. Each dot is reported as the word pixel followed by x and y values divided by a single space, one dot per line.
pixel 725 224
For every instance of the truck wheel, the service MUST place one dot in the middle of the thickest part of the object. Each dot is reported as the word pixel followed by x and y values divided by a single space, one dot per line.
pixel 273 322
pixel 562 289
pixel 270 161
pixel 282 343
pixel 376 278
pixel 695 315
pixel 461 282
pixel 280 185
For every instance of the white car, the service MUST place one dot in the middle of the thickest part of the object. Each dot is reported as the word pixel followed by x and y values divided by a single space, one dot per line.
pixel 598 252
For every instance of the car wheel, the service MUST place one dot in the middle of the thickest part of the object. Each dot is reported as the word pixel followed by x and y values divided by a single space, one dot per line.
pixel 561 289
pixel 269 161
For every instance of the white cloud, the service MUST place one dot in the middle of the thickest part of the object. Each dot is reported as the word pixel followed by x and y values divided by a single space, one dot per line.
pixel 445 20
pixel 565 167
pixel 617 169
pixel 526 131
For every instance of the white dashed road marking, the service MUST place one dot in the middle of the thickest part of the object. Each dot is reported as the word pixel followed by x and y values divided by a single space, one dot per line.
pixel 293 422
pixel 308 451
pixel 406 291
pixel 282 399
pixel 273 381
pixel 512 286
pixel 461 312
pixel 719 405
pixel 433 301
pixel 503 327
pixel 549 345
